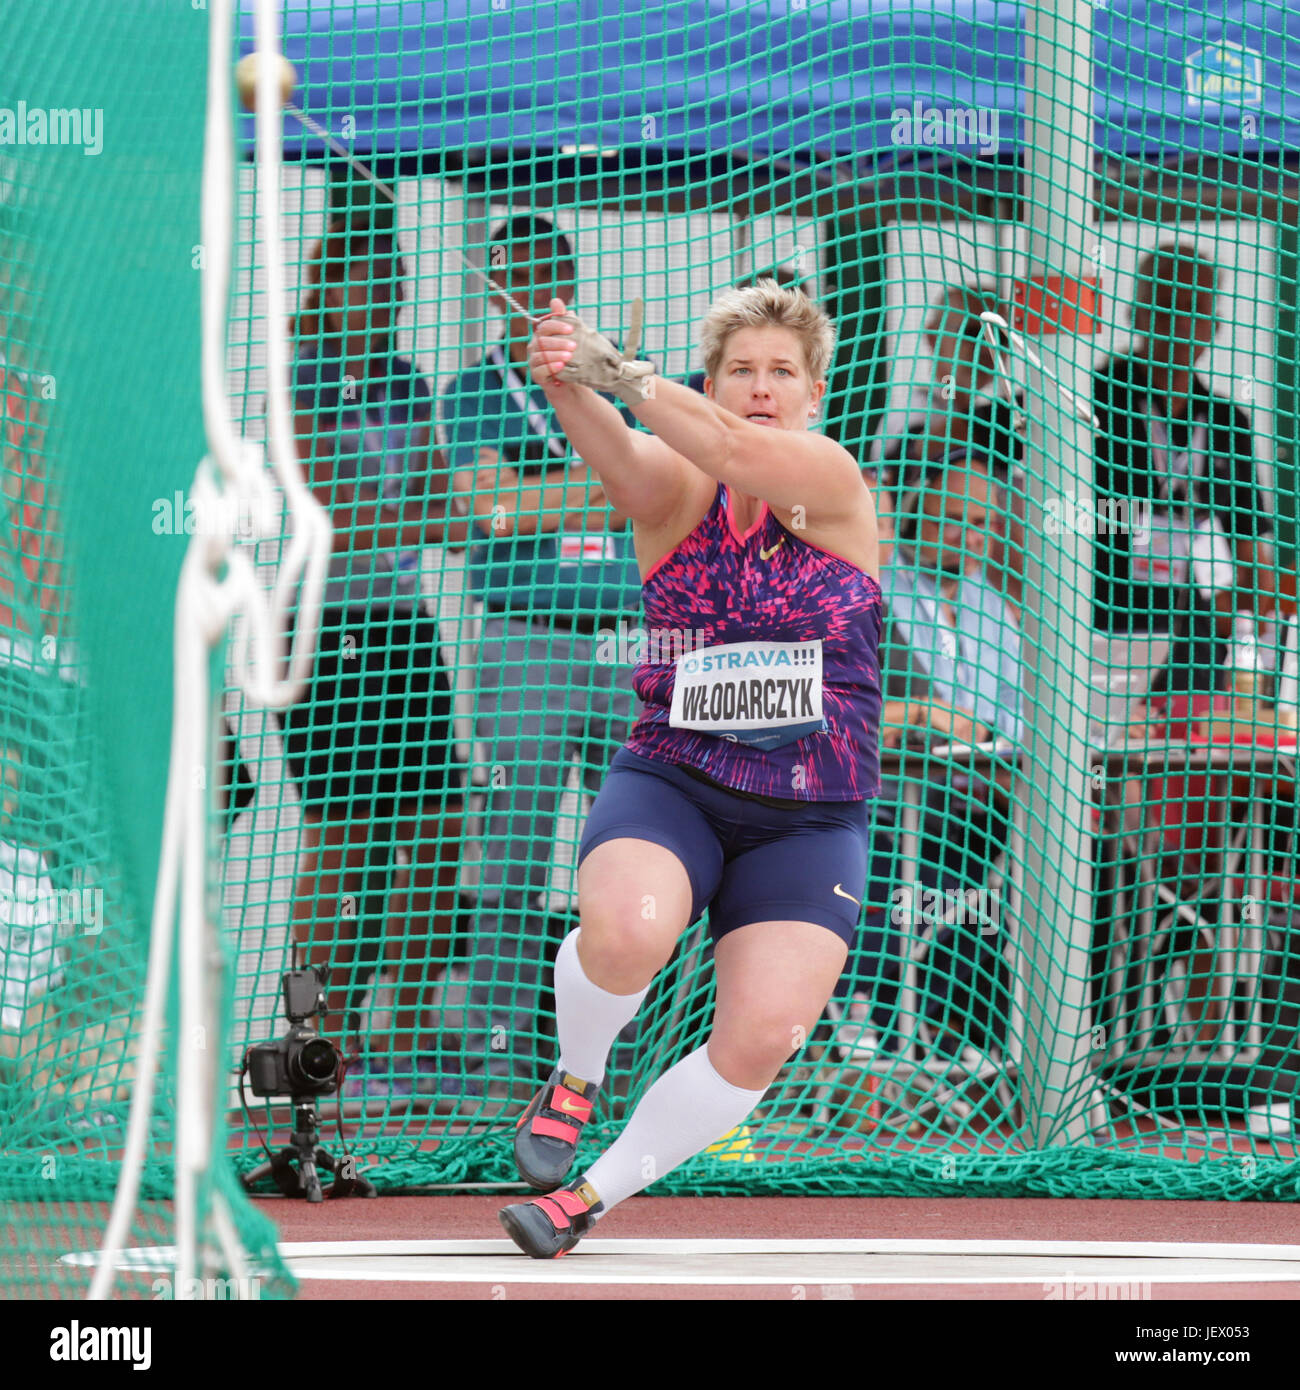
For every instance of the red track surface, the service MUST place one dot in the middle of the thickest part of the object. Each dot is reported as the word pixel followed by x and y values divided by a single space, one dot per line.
pixel 474 1217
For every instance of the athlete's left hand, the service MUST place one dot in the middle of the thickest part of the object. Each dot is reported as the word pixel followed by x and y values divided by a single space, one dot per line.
pixel 571 351
pixel 552 346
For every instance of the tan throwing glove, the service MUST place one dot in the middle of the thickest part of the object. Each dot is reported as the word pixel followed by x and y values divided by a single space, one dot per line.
pixel 597 363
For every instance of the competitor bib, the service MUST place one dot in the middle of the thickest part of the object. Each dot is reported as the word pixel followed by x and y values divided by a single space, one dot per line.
pixel 765 694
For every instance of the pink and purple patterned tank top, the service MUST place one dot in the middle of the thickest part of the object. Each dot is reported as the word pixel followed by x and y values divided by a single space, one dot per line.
pixel 761 669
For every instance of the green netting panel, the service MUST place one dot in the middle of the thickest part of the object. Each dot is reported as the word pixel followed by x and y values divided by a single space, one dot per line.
pixel 99 296
pixel 1078 974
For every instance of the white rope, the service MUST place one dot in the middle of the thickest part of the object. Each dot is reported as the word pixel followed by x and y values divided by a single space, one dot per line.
pixel 993 321
pixel 318 130
pixel 218 581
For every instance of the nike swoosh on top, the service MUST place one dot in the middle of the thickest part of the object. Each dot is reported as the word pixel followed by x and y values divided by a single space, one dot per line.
pixel 767 554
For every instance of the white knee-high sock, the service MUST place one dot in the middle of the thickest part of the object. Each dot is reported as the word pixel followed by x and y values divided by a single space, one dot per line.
pixel 587 1018
pixel 686 1110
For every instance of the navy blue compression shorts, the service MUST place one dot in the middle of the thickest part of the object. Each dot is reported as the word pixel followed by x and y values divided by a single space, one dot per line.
pixel 747 862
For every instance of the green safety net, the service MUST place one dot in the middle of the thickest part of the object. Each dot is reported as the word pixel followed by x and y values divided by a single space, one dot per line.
pixel 101 433
pixel 1077 969
pixel 1069 376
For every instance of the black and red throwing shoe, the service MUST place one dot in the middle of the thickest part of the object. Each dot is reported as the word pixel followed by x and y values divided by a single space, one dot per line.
pixel 546 1136
pixel 550 1226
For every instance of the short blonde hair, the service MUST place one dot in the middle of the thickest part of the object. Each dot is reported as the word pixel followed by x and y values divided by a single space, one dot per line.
pixel 768 305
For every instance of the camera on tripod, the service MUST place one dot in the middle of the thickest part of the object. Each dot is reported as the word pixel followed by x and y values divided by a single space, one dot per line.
pixel 301 1063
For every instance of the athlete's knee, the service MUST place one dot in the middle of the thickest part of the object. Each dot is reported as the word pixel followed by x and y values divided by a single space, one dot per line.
pixel 611 940
pixel 621 951
pixel 750 1051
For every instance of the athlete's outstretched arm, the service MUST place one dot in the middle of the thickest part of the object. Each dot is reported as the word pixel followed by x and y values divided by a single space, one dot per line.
pixel 639 475
pixel 785 468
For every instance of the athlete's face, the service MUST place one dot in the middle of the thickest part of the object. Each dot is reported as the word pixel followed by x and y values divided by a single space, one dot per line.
pixel 764 379
pixel 953 532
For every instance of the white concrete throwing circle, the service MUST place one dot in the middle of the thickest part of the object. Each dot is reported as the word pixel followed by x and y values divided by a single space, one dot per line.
pixel 1065 1269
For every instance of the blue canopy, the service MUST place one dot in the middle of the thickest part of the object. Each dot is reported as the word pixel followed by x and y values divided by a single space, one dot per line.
pixel 857 80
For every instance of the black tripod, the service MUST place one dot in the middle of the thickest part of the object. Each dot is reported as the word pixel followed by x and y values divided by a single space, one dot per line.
pixel 304 1150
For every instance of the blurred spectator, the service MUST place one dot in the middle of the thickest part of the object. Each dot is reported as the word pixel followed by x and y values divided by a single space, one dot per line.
pixel 952 664
pixel 1184 553
pixel 951 668
pixel 1184 540
pixel 31 597
pixel 31 959
pixel 371 744
pixel 966 403
pixel 969 405
pixel 235 787
pixel 552 566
